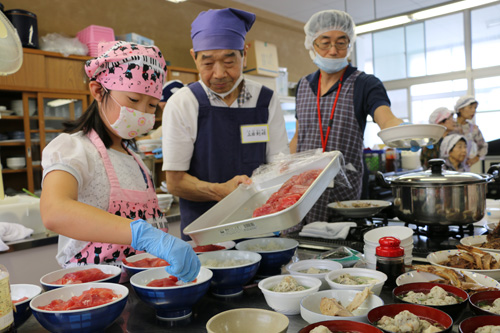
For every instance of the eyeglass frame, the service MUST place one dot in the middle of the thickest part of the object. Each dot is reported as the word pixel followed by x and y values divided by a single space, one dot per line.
pixel 348 45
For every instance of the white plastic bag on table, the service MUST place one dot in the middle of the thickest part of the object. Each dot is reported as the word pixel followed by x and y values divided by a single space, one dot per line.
pixel 55 42
pixel 284 166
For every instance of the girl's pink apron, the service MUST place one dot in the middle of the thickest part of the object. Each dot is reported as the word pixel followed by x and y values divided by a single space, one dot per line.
pixel 131 204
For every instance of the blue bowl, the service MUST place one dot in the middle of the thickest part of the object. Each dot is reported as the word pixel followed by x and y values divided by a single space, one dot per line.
pixel 23 310
pixel 131 270
pixel 47 279
pixel 94 319
pixel 275 253
pixel 170 303
pixel 229 280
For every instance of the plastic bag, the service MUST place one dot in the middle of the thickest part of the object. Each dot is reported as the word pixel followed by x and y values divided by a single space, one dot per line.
pixel 284 166
pixel 55 42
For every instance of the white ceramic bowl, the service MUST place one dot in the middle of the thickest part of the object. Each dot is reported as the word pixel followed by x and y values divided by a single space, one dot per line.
pixel 418 276
pixel 310 312
pixel 296 269
pixel 376 289
pixel 248 320
pixel 440 256
pixel 287 303
pixel 404 234
pixel 47 279
pixel 16 162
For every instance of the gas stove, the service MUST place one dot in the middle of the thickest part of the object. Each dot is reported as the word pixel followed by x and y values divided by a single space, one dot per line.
pixel 426 239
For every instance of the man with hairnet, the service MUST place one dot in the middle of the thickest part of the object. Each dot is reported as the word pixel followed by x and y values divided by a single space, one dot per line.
pixel 477 147
pixel 334 102
pixel 218 130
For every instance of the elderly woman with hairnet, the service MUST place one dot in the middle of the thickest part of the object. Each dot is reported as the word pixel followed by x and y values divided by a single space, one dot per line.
pixel 334 102
pixel 454 152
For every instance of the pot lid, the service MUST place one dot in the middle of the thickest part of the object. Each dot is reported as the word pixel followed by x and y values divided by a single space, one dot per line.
pixel 437 176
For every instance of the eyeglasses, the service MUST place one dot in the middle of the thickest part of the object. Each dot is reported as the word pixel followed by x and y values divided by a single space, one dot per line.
pixel 340 45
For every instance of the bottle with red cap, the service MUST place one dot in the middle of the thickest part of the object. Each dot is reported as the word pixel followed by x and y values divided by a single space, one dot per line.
pixel 390 259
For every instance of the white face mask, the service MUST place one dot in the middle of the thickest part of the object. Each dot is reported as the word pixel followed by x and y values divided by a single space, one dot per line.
pixel 131 123
pixel 236 84
pixel 330 65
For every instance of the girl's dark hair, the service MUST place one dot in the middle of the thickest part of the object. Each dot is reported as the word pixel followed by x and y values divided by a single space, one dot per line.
pixel 91 120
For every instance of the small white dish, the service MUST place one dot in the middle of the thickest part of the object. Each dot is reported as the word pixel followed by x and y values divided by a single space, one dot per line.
pixel 475 241
pixel 436 257
pixel 418 276
pixel 350 211
pixel 406 136
pixel 310 311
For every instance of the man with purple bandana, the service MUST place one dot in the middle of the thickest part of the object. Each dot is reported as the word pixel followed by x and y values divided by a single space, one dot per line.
pixel 218 130
pixel 334 102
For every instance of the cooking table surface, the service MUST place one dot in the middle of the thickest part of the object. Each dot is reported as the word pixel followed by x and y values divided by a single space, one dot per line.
pixel 138 317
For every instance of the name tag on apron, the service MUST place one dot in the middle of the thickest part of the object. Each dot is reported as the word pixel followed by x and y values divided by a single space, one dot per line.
pixel 254 133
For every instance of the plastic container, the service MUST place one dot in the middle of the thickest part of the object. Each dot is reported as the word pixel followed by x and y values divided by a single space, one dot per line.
pixel 136 38
pixel 93 35
pixel 390 259
pixel 6 312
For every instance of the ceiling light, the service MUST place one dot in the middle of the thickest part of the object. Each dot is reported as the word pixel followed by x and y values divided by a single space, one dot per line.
pixel 387 23
pixel 176 1
pixel 59 102
pixel 421 15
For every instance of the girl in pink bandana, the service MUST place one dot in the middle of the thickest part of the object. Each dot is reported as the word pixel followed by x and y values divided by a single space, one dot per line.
pixel 97 194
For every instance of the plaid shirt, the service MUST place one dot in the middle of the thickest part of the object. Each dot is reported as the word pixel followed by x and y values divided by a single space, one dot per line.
pixel 243 96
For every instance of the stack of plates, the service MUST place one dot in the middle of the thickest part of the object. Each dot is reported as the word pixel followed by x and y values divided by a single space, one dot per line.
pixel 372 237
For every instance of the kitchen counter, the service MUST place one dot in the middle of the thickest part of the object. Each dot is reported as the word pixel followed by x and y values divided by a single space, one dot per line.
pixel 140 318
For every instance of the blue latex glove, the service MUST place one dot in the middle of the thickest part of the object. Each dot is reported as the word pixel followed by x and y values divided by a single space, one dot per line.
pixel 158 152
pixel 184 263
pixel 414 145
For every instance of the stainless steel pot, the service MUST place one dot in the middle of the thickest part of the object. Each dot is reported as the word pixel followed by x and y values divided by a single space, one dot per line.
pixel 438 197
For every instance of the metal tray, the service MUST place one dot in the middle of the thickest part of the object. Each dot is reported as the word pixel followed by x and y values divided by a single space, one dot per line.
pixel 232 219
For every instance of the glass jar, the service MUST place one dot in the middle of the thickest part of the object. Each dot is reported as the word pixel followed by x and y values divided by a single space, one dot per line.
pixel 6 307
pixel 390 259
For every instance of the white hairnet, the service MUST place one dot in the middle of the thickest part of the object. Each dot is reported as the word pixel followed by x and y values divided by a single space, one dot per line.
pixel 464 101
pixel 439 115
pixel 329 20
pixel 448 143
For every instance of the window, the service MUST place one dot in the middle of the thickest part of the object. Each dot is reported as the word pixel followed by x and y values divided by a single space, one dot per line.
pixel 488 110
pixel 364 54
pixel 427 97
pixel 485 35
pixel 389 54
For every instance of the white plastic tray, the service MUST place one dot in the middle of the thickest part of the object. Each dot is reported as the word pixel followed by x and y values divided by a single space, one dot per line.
pixel 232 219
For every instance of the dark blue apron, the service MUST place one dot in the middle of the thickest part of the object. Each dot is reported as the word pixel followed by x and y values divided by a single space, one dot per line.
pixel 218 153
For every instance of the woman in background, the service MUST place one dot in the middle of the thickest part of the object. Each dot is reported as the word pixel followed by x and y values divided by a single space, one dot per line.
pixel 440 116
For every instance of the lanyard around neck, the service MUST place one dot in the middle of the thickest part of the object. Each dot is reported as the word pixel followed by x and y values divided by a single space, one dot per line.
pixel 324 140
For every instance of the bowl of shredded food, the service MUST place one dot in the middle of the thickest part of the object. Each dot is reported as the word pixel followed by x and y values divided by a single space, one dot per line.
pixel 275 253
pixel 171 298
pixel 142 262
pixel 314 267
pixel 80 274
pixel 284 292
pixel 231 270
pixel 21 295
pixel 88 307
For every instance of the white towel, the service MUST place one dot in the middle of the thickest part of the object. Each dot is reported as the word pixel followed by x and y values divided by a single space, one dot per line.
pixel 10 232
pixel 327 230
